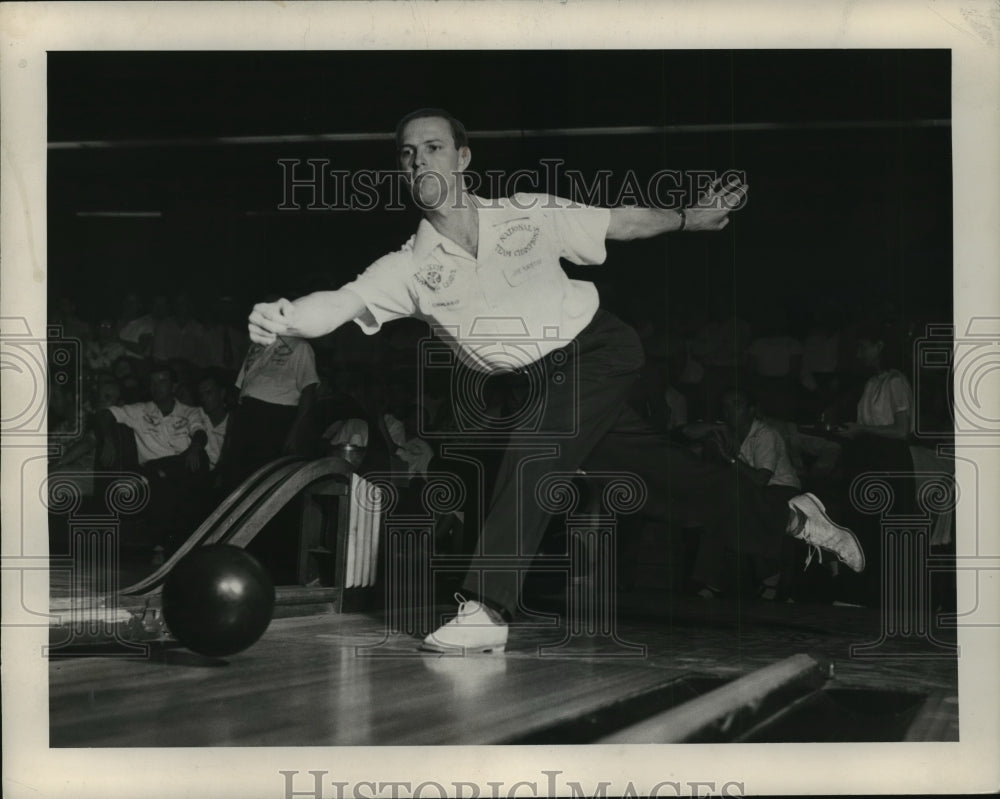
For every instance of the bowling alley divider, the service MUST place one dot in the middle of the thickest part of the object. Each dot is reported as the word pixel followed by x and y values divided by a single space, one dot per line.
pixel 92 612
pixel 348 525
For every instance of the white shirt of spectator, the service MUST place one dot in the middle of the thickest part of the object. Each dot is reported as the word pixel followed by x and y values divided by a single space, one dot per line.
pixel 885 395
pixel 510 305
pixel 216 437
pixel 764 448
pixel 133 330
pixel 415 452
pixel 156 435
pixel 279 372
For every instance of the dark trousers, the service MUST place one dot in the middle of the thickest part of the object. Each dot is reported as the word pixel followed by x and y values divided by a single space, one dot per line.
pixel 586 385
pixel 887 460
pixel 761 516
pixel 178 498
pixel 256 436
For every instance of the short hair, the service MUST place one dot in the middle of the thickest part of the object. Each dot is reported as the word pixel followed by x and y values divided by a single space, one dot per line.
pixel 160 366
pixel 458 131
pixel 212 375
pixel 874 332
pixel 743 396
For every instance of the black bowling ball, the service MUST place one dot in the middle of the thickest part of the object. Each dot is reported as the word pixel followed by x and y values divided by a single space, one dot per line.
pixel 218 600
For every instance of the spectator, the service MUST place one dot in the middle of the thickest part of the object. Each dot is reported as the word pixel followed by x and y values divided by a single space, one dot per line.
pixel 102 352
pixel 215 417
pixel 65 316
pixel 765 482
pixel 774 358
pixel 820 361
pixel 165 429
pixel 123 372
pixel 879 441
pixel 719 346
pixel 170 441
pixel 277 384
pixel 135 330
pixel 181 336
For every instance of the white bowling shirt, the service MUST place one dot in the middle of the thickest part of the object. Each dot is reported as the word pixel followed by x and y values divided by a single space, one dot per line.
pixel 885 395
pixel 510 305
pixel 156 435
pixel 764 448
pixel 216 437
pixel 279 372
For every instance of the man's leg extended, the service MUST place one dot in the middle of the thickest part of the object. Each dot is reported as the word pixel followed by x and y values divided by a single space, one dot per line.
pixel 602 364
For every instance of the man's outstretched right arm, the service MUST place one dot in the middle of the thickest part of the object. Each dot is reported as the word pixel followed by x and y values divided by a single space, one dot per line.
pixel 307 317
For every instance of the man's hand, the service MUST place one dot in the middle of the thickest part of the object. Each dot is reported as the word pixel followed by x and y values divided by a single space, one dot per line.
pixel 192 458
pixel 711 211
pixel 107 454
pixel 268 320
pixel 850 430
pixel 719 446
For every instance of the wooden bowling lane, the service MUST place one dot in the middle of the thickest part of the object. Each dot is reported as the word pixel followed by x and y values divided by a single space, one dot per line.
pixel 307 683
pixel 339 679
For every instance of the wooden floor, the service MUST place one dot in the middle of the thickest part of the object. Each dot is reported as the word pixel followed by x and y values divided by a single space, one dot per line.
pixel 344 680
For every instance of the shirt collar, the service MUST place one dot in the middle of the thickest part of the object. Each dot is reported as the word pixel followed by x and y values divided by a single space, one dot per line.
pixel 428 239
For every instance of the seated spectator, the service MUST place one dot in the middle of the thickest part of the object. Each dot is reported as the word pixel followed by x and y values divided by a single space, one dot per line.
pixel 820 360
pixel 181 336
pixel 719 347
pixel 767 494
pixel 135 330
pixel 65 316
pixel 79 447
pixel 879 440
pixel 101 353
pixel 122 371
pixel 774 358
pixel 170 441
pixel 212 398
pixel 277 386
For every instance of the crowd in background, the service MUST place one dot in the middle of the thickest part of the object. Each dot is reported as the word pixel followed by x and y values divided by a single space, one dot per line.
pixel 205 408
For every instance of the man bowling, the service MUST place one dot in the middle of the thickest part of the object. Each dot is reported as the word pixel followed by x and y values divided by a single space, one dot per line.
pixel 485 271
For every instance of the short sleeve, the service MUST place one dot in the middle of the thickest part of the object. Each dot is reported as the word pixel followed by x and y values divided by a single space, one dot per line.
pixel 899 394
pixel 196 419
pixel 767 450
pixel 580 229
pixel 305 366
pixel 384 289
pixel 129 415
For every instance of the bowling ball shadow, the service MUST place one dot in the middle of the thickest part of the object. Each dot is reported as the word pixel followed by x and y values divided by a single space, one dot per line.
pixel 171 653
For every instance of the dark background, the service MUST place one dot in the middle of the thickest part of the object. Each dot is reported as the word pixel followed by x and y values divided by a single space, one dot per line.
pixel 850 167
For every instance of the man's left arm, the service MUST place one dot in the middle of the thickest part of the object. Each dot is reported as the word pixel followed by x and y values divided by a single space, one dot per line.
pixel 710 213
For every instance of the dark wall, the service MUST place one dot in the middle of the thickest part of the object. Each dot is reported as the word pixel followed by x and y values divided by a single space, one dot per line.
pixel 848 157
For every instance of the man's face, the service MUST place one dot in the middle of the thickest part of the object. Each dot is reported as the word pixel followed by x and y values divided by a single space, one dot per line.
pixel 737 415
pixel 869 352
pixel 161 387
pixel 209 395
pixel 431 161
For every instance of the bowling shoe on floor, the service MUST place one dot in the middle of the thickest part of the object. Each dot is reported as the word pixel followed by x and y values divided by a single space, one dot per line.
pixel 476 628
pixel 812 525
